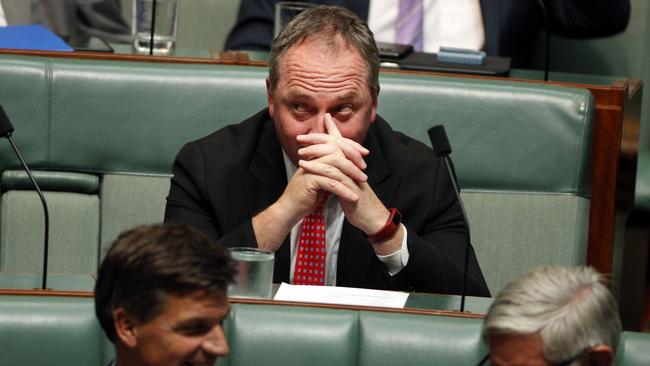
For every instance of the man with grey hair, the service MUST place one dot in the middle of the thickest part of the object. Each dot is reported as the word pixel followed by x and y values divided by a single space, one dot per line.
pixel 553 316
pixel 321 180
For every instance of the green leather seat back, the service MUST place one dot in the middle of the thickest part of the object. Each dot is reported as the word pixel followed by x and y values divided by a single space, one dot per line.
pixel 136 119
pixel 407 339
pixel 633 349
pixel 129 200
pixel 292 336
pixel 55 331
pixel 505 135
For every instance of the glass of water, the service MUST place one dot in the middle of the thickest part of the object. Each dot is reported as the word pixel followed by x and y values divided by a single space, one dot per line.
pixel 254 278
pixel 165 24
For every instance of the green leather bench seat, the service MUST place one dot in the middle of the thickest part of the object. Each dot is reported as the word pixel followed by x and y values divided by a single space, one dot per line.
pixel 62 331
pixel 521 151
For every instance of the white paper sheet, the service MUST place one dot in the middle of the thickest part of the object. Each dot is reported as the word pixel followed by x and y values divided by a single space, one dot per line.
pixel 341 295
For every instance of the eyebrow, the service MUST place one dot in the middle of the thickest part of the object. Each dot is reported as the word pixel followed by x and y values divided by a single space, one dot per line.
pixel 347 96
pixel 300 95
pixel 187 323
pixel 196 320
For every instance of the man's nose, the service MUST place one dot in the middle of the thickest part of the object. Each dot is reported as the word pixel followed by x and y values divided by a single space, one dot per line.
pixel 216 343
pixel 318 124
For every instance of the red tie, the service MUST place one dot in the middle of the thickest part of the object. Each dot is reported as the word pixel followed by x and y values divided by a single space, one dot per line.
pixel 310 259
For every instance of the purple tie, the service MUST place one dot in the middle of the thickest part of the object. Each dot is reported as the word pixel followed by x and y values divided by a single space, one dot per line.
pixel 408 27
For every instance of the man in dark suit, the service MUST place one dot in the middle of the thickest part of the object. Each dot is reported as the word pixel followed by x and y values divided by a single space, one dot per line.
pixel 320 144
pixel 511 26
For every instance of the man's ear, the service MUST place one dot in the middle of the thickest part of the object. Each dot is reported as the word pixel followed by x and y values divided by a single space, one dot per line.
pixel 600 355
pixel 125 328
pixel 269 98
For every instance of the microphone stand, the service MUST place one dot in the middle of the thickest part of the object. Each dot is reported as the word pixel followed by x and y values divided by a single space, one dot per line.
pixel 45 211
pixel 547 61
pixel 463 289
pixel 7 130
pixel 442 148
pixel 153 26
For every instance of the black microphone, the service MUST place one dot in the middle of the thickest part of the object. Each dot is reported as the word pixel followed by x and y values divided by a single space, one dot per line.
pixel 153 27
pixel 441 148
pixel 548 39
pixel 6 129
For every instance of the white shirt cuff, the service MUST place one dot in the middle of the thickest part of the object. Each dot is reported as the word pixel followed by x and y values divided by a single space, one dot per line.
pixel 395 262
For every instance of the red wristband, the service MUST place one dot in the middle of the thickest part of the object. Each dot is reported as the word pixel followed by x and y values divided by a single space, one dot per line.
pixel 391 226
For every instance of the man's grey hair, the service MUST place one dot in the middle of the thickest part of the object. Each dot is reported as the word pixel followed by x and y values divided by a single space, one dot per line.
pixel 325 23
pixel 571 308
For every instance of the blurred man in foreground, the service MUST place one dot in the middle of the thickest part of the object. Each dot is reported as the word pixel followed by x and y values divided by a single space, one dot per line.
pixel 554 316
pixel 161 297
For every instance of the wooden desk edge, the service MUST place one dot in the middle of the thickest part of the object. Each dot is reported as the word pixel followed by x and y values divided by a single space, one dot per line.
pixel 235 300
pixel 128 57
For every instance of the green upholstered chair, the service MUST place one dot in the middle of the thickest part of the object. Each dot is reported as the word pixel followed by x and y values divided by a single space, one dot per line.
pixel 73 207
pixel 521 152
pixel 522 157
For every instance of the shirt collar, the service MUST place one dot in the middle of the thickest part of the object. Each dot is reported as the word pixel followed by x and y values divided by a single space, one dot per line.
pixel 289 166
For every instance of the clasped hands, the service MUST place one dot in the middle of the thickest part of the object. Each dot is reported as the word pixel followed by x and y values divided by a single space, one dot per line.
pixel 332 163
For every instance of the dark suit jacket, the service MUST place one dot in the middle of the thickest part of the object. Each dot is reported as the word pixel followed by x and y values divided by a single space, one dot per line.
pixel 221 181
pixel 511 26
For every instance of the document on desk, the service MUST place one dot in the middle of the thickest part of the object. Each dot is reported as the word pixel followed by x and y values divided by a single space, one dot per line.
pixel 341 296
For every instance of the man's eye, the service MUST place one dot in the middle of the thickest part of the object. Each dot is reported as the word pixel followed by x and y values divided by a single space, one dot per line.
pixel 298 107
pixel 196 330
pixel 344 109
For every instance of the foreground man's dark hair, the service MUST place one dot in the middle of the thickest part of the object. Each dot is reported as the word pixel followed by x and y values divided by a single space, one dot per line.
pixel 147 263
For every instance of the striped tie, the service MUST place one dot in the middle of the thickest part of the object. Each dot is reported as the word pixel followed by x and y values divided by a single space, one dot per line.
pixel 408 27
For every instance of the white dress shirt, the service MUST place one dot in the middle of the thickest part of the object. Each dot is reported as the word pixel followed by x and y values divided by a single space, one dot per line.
pixel 334 218
pixel 449 23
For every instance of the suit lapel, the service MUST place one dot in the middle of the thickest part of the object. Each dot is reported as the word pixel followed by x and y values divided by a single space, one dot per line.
pixel 264 182
pixel 265 178
pixel 355 253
